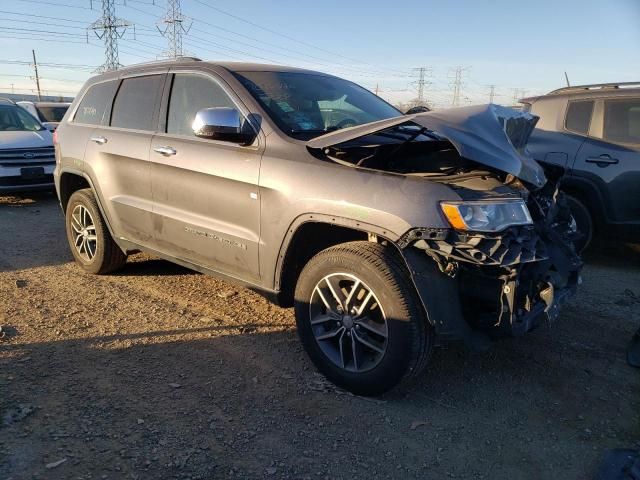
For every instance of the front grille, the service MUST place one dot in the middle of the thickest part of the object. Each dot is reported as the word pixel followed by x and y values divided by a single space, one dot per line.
pixel 27 156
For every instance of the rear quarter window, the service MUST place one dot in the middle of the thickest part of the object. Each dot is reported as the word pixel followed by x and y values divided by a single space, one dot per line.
pixel 578 116
pixel 95 103
pixel 622 120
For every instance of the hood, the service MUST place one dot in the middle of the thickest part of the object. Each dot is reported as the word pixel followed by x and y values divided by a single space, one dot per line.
pixel 26 139
pixel 491 135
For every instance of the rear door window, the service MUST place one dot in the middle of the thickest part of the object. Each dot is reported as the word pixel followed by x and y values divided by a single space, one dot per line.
pixel 579 116
pixel 622 120
pixel 190 93
pixel 135 103
pixel 95 103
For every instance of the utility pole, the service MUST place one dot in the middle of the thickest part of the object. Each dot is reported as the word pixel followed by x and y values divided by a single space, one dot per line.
pixel 376 89
pixel 109 28
pixel 12 92
pixel 175 25
pixel 492 93
pixel 35 68
pixel 457 85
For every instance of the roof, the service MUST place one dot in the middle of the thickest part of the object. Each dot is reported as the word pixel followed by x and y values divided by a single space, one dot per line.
pixel 595 87
pixel 44 104
pixel 586 91
pixel 230 66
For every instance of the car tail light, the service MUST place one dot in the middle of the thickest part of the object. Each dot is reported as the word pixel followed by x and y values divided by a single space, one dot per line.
pixel 55 137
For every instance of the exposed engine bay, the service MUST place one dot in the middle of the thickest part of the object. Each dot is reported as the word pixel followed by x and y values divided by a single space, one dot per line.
pixel 506 279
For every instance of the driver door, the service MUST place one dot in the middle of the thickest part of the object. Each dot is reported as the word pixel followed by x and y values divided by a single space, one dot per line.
pixel 206 208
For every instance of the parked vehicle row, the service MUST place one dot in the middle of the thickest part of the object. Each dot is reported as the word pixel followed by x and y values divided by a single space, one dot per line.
pixel 593 131
pixel 388 233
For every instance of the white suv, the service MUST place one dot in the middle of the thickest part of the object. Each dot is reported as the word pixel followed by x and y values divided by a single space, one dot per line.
pixel 27 157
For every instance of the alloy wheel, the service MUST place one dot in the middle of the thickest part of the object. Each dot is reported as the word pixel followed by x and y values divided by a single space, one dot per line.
pixel 348 322
pixel 84 232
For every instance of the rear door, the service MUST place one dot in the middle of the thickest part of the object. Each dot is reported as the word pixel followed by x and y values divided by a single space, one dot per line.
pixel 205 192
pixel 117 157
pixel 610 156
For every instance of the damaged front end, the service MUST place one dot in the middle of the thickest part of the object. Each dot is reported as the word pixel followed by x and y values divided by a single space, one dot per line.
pixel 502 282
pixel 480 275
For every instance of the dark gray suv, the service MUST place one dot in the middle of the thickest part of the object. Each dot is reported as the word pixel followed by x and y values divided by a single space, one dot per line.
pixel 594 132
pixel 386 232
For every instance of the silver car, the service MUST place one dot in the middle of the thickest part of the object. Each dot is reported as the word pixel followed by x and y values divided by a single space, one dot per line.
pixel 27 158
pixel 48 113
pixel 388 233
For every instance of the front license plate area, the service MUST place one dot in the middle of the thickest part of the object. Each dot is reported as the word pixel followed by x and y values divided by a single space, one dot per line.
pixel 31 173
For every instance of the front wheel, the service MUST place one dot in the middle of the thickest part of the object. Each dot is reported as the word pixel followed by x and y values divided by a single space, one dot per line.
pixel 359 318
pixel 584 223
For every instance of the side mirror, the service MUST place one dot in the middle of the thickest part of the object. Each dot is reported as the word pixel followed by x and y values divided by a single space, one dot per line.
pixel 222 123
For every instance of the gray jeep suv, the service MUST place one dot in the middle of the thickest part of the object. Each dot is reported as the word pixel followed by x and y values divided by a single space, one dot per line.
pixel 594 132
pixel 386 232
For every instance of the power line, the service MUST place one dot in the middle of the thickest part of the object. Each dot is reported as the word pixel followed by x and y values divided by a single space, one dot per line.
pixel 111 29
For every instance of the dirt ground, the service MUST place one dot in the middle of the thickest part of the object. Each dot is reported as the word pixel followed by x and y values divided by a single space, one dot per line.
pixel 158 372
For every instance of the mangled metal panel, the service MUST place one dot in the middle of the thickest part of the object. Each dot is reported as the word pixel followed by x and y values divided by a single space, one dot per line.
pixel 491 135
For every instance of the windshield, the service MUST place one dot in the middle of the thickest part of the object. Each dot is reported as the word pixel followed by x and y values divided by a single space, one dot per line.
pixel 52 114
pixel 306 105
pixel 14 118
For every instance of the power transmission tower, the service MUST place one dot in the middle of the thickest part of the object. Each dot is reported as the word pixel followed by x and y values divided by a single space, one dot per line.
pixel 109 28
pixel 457 84
pixel 492 93
pixel 175 25
pixel 35 68
pixel 421 84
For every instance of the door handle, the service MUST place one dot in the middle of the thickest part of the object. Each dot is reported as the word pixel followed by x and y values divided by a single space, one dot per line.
pixel 602 160
pixel 166 151
pixel 99 140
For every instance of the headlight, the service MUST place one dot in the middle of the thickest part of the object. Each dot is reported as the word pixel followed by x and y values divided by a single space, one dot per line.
pixel 486 216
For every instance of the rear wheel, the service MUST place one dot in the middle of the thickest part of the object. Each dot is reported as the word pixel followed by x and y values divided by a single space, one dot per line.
pixel 584 223
pixel 90 241
pixel 359 318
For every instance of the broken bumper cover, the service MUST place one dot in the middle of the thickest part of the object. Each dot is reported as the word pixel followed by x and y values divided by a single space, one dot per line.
pixel 506 282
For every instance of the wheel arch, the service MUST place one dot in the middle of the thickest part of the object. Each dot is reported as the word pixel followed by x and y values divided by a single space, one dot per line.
pixel 72 181
pixel 589 195
pixel 308 235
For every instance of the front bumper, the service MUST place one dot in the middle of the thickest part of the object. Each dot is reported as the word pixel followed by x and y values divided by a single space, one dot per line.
pixel 504 283
pixel 23 178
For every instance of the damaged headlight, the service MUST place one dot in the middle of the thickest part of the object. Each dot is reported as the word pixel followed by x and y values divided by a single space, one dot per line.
pixel 486 216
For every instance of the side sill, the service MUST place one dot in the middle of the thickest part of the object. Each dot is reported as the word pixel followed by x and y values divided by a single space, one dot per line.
pixel 272 295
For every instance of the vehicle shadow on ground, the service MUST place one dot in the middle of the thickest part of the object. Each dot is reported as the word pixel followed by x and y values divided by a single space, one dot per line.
pixel 201 401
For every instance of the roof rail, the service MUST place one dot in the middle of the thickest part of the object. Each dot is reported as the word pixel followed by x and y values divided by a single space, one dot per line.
pixel 595 86
pixel 163 60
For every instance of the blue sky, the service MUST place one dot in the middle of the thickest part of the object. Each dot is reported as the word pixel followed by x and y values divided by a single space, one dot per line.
pixel 520 47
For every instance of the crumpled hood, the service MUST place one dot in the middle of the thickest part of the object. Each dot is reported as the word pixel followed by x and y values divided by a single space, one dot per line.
pixel 26 139
pixel 491 135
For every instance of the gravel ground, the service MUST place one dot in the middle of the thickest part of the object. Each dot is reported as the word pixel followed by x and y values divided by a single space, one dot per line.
pixel 160 372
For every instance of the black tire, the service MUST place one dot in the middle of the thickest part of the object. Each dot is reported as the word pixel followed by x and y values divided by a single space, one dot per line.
pixel 410 336
pixel 107 257
pixel 584 223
